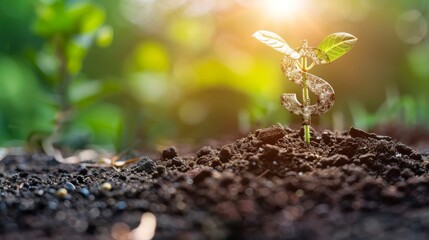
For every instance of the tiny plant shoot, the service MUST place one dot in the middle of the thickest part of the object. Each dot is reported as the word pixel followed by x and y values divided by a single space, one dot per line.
pixel 69 28
pixel 295 65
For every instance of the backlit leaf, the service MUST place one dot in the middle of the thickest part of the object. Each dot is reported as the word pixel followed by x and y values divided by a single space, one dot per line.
pixel 104 36
pixel 337 44
pixel 92 18
pixel 275 41
pixel 75 54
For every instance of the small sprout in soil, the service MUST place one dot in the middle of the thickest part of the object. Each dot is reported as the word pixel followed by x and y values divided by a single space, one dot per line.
pixel 62 193
pixel 69 28
pixel 295 65
pixel 106 186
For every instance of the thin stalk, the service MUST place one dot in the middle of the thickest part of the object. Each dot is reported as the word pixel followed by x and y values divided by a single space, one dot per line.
pixel 306 102
pixel 62 118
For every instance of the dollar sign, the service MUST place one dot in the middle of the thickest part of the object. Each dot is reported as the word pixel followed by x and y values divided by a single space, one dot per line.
pixel 322 89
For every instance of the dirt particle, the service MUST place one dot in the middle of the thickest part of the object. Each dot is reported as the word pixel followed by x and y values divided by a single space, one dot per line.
pixel 367 159
pixel 270 135
pixel 228 210
pixel 225 154
pixel 393 173
pixel 401 148
pixel 416 156
pixel 269 152
pixel 341 160
pixel 226 180
pixel 357 133
pixel 145 165
pixel 392 195
pixel 161 169
pixel 335 160
pixel 80 179
pixel 204 151
pixel 83 171
pixel 203 174
pixel 304 167
pixel 246 206
pixel 203 160
pixel 407 173
pixel 177 162
pixel 215 163
pixel 371 188
pixel 169 153
pixel 327 137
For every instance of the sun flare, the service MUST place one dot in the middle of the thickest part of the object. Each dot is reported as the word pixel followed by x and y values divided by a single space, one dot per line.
pixel 283 9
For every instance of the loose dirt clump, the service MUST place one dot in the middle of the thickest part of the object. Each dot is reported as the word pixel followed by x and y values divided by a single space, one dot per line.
pixel 267 185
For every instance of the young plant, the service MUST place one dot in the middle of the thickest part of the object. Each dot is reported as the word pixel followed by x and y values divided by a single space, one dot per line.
pixel 69 29
pixel 296 64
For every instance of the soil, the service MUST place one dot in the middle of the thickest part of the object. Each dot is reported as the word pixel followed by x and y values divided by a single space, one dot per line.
pixel 267 185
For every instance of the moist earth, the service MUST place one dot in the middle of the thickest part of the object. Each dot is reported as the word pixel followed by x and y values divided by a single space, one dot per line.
pixel 266 185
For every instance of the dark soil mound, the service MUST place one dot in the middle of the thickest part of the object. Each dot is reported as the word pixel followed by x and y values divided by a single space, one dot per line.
pixel 268 185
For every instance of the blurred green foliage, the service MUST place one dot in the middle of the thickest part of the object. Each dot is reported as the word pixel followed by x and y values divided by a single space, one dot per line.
pixel 69 29
pixel 189 69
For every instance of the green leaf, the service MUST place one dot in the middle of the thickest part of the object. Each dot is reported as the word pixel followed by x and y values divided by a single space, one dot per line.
pixel 275 41
pixel 92 19
pixel 68 19
pixel 337 44
pixel 75 53
pixel 104 36
pixel 87 17
pixel 52 19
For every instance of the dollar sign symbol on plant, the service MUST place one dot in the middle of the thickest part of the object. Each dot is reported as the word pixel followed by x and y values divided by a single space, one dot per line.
pixel 295 66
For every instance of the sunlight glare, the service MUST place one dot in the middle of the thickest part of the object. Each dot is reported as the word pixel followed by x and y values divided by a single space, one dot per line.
pixel 283 9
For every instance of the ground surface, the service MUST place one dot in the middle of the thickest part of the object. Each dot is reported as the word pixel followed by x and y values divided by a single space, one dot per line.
pixel 268 185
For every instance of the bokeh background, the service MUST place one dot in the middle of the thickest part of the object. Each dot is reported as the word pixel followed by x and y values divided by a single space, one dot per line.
pixel 189 70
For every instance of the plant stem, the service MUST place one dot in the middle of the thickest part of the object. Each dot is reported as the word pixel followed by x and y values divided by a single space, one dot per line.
pixel 63 90
pixel 306 103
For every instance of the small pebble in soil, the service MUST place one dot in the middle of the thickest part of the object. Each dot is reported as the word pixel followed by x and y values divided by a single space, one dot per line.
pixel 121 205
pixel 69 186
pixel 52 205
pixel 85 192
pixel 106 186
pixel 62 192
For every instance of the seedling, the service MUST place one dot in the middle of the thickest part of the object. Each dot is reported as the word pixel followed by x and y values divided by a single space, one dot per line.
pixel 69 28
pixel 295 66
